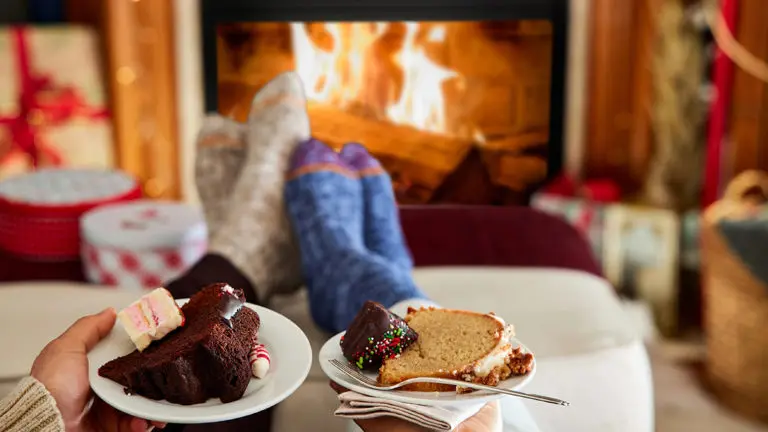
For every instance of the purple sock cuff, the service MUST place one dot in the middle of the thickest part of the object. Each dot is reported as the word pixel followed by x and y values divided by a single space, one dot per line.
pixel 312 152
pixel 356 155
pixel 314 155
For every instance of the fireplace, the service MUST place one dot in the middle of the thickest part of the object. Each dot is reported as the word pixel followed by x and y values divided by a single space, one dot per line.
pixel 461 100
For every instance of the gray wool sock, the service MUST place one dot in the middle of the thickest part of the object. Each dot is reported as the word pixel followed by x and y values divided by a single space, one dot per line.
pixel 255 233
pixel 218 162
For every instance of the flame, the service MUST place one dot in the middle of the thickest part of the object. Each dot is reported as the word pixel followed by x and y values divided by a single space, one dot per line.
pixel 342 64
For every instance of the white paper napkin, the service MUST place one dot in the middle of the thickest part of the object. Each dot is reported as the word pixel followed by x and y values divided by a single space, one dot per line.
pixel 357 406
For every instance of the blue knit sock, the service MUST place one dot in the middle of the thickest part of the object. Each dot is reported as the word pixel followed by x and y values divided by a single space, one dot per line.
pixel 383 234
pixel 325 203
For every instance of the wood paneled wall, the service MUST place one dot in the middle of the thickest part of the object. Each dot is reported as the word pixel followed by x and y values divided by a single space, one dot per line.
pixel 747 146
pixel 618 141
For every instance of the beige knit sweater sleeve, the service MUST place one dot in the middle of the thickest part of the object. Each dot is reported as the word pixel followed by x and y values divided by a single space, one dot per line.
pixel 30 408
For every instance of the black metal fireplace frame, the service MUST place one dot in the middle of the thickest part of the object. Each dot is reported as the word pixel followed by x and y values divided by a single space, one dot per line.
pixel 215 12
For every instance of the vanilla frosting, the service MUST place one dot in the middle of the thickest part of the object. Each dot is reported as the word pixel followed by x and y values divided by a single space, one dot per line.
pixel 151 318
pixel 498 355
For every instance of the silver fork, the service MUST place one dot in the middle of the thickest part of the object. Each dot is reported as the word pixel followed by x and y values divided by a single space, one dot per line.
pixel 366 381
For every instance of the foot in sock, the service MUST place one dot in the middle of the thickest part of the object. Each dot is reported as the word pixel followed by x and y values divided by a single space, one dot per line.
pixel 255 233
pixel 325 203
pixel 219 159
pixel 382 231
pixel 324 200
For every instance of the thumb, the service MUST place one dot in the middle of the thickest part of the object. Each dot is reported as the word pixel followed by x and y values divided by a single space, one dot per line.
pixel 89 330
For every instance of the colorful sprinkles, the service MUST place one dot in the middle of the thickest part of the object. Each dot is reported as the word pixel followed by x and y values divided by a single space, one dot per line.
pixel 390 345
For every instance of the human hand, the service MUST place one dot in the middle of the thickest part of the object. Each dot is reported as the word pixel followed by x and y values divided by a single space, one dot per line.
pixel 62 367
pixel 487 419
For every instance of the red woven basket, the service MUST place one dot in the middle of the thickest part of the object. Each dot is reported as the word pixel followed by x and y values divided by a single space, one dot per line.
pixel 36 223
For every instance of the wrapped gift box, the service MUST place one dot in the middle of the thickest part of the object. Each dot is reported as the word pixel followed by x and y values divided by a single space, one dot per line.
pixel 641 252
pixel 585 216
pixel 40 211
pixel 52 100
pixel 141 244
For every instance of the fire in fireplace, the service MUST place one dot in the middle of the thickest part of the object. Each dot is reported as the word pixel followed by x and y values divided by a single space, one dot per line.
pixel 457 111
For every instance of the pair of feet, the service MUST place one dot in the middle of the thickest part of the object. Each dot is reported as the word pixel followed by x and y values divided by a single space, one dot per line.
pixel 345 218
pixel 338 207
pixel 240 176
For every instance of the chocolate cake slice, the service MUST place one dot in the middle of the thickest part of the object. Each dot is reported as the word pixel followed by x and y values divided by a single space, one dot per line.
pixel 206 358
pixel 375 334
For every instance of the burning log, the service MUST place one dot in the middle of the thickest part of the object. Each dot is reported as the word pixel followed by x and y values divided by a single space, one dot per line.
pixel 511 160
pixel 517 143
pixel 422 160
pixel 515 171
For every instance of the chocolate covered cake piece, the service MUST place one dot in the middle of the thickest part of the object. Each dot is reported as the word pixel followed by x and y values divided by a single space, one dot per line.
pixel 206 358
pixel 375 334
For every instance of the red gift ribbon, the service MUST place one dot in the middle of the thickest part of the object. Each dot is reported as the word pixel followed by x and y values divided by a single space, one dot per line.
pixel 598 190
pixel 591 191
pixel 42 103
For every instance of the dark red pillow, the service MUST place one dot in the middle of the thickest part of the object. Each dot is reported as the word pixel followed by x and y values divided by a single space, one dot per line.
pixel 494 236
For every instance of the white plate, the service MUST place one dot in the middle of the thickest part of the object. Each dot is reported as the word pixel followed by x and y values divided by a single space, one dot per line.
pixel 291 357
pixel 332 350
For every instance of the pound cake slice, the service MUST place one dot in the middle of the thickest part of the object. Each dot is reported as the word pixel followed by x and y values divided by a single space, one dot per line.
pixel 456 344
pixel 205 358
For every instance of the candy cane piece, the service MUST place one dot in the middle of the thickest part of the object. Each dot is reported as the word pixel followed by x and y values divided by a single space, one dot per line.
pixel 259 359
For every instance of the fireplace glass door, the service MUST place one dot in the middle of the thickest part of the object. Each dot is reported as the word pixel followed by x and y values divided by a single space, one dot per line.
pixel 457 112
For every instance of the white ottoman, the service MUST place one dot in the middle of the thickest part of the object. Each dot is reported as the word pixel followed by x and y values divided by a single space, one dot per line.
pixel 43 310
pixel 586 350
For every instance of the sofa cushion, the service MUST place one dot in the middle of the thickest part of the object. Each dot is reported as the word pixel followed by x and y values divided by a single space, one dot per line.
pixel 556 312
pixel 494 236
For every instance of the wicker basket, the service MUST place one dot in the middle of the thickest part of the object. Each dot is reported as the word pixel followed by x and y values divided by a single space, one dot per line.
pixel 736 305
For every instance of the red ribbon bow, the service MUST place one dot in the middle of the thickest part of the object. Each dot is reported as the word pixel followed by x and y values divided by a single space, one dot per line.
pixel 598 190
pixel 591 191
pixel 41 104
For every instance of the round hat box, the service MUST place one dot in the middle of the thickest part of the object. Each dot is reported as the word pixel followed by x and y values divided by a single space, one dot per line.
pixel 142 244
pixel 40 211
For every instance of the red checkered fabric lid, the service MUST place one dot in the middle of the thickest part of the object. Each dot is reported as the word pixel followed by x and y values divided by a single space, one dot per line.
pixel 143 225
